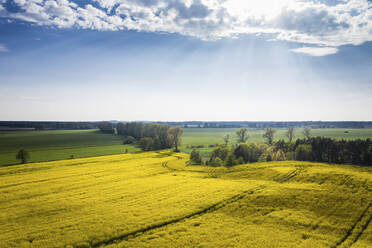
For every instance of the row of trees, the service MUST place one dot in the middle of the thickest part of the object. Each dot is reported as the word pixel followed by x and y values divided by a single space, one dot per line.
pixel 242 135
pixel 318 149
pixel 150 136
pixel 322 149
pixel 242 153
pixel 273 124
pixel 47 125
pixel 106 127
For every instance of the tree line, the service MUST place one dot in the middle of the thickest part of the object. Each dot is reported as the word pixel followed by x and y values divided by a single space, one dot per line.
pixel 317 149
pixel 273 124
pixel 43 125
pixel 322 149
pixel 148 137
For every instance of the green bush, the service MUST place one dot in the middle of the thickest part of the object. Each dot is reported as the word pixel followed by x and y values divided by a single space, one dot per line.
pixel 195 158
pixel 216 162
pixel 128 140
pixel 230 160
pixel 250 152
pixel 220 152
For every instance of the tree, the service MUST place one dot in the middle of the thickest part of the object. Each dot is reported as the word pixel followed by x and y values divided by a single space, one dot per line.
pixel 290 133
pixel 303 152
pixel 23 155
pixel 195 157
pixel 226 138
pixel 230 160
pixel 249 152
pixel 279 155
pixel 220 152
pixel 242 134
pixel 174 136
pixel 106 127
pixel 269 135
pixel 307 132
pixel 146 143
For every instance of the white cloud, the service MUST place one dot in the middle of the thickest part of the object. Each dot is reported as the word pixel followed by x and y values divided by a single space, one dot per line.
pixel 313 22
pixel 3 48
pixel 316 51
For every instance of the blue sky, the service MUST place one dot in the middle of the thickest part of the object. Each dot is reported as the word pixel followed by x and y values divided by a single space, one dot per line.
pixel 65 64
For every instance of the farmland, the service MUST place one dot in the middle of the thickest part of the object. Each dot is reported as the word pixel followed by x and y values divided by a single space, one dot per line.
pixel 59 144
pixel 212 136
pixel 154 199
pixel 62 144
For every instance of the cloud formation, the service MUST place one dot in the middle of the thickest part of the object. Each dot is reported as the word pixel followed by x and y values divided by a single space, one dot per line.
pixel 3 48
pixel 316 51
pixel 325 24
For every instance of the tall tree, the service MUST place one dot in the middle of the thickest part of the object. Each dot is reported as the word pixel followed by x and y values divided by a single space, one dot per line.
pixel 23 156
pixel 290 133
pixel 269 135
pixel 242 135
pixel 174 136
pixel 307 132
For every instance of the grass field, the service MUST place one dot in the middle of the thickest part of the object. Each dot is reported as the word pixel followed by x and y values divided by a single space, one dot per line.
pixel 211 136
pixel 61 144
pixel 154 200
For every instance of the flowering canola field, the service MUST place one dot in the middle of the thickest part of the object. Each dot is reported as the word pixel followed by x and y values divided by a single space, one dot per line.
pixel 155 200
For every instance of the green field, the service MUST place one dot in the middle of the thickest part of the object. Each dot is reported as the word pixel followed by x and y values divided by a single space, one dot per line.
pixel 211 136
pixel 62 144
pixel 59 144
pixel 154 200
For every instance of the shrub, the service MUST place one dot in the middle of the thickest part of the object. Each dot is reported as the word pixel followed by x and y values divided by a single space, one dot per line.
pixel 230 160
pixel 195 157
pixel 128 140
pixel 216 162
pixel 220 152
pixel 240 160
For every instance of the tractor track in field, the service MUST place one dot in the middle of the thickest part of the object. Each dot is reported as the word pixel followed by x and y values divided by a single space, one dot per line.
pixel 165 165
pixel 210 209
pixel 290 175
pixel 360 220
pixel 195 214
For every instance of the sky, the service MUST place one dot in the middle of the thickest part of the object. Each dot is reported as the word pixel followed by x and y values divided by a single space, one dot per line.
pixel 208 60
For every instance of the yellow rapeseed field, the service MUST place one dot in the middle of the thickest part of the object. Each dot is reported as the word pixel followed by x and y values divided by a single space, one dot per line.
pixel 155 200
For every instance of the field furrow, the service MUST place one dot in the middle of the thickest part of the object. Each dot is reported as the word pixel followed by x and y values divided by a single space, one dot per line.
pixel 357 229
pixel 155 200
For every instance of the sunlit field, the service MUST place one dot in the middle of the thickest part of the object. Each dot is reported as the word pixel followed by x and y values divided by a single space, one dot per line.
pixel 59 144
pixel 155 200
pixel 65 144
